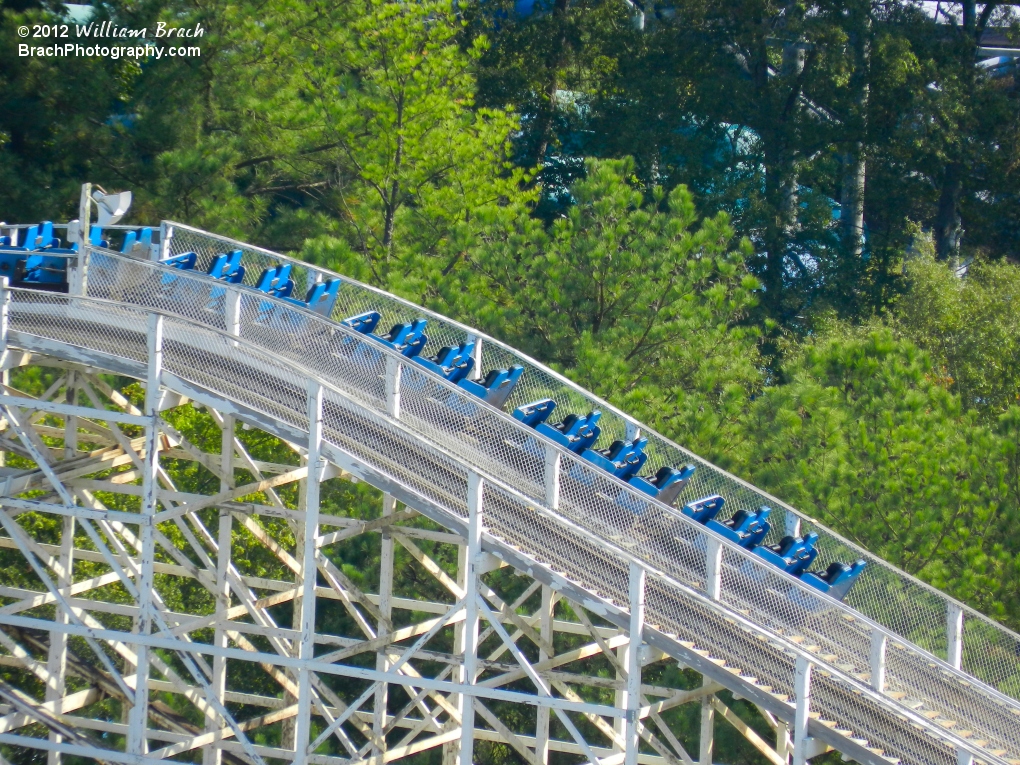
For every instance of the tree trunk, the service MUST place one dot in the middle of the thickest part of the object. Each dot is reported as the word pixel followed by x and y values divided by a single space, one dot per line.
pixel 854 162
pixel 781 176
pixel 851 216
pixel 948 226
pixel 547 109
pixel 777 230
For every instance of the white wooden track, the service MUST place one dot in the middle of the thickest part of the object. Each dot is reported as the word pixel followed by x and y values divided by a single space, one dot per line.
pixel 557 635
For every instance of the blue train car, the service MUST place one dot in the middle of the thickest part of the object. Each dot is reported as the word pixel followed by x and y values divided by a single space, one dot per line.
pixel 38 261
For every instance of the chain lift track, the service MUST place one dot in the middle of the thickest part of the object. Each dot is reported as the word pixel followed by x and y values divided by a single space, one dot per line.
pixel 610 584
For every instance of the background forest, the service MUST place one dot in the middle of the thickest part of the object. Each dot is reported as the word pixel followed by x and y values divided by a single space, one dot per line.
pixel 782 233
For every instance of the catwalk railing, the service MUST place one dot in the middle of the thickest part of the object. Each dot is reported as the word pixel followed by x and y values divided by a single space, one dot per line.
pixel 904 605
pixel 455 423
pixel 746 618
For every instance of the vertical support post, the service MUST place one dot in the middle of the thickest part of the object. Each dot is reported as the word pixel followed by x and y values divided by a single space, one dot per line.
pixel 706 738
pixel 309 574
pixel 288 727
pixel 476 358
pixel 713 566
pixel 5 313
pixel 385 625
pixel 213 755
pixel 713 586
pixel 792 525
pixel 56 660
pixel 802 692
pixel 469 669
pixel 138 717
pixel 879 642
pixel 232 311
pixel 783 747
pixel 552 478
pixel 620 696
pixel 5 319
pixel 5 308
pixel 637 624
pixel 964 757
pixel 451 750
pixel 79 277
pixel 954 635
pixel 166 233
pixel 71 422
pixel 393 370
pixel 546 632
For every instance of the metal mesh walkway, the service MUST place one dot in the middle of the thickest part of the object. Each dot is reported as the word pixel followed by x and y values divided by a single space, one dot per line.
pixel 557 512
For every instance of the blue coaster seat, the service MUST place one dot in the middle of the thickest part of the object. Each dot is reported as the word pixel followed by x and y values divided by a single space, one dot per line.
pixel 622 459
pixel 746 528
pixel 37 237
pixel 96 237
pixel 705 509
pixel 140 238
pixel 184 262
pixel 453 363
pixel 666 484
pixel 145 238
pixel 497 385
pixel 577 432
pixel 129 242
pixel 226 267
pixel 793 554
pixel 46 239
pixel 364 323
pixel 276 281
pixel 37 264
pixel 42 272
pixel 408 338
pixel 836 580
pixel 175 286
pixel 28 241
pixel 321 297
pixel 535 412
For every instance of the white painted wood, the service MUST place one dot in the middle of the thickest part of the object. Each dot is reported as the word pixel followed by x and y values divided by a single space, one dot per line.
pixel 384 626
pixel 224 539
pixel 71 410
pixel 138 717
pixel 469 670
pixel 392 385
pixel 636 632
pixel 306 649
pixel 546 626
pixel 706 733
pixel 954 635
pixel 792 525
pixel 232 310
pixel 5 322
pixel 802 696
pixel 713 567
pixel 879 643
pixel 552 478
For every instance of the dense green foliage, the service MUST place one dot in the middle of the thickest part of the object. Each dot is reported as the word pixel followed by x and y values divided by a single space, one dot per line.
pixel 648 210
pixel 627 293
